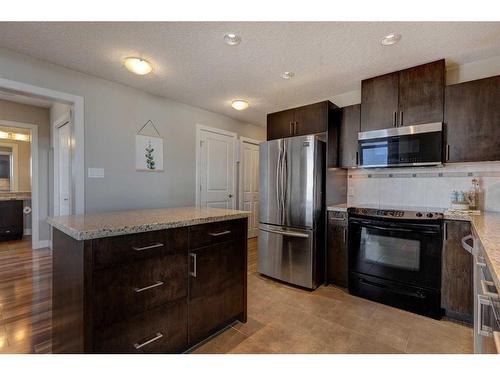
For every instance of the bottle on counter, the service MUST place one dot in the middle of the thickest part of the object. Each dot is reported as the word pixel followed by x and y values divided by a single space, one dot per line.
pixel 473 195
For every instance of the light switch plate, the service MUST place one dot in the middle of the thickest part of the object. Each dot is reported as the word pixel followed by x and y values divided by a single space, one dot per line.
pixel 96 172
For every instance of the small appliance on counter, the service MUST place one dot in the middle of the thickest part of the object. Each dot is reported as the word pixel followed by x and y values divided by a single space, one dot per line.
pixel 395 258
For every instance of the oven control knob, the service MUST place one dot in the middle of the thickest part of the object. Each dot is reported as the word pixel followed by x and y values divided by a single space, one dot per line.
pixel 429 215
pixel 419 214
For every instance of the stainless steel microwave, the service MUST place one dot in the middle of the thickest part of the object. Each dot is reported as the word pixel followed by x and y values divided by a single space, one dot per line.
pixel 406 146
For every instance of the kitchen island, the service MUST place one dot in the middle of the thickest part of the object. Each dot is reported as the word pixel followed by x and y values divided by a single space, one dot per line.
pixel 147 281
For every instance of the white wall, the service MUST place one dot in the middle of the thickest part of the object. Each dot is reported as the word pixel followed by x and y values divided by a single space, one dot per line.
pixel 113 114
pixel 423 187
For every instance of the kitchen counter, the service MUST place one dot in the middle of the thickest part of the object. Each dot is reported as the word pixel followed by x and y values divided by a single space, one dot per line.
pixel 15 195
pixel 100 225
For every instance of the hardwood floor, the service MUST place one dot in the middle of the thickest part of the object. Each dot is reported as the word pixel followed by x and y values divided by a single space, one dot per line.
pixel 25 298
pixel 281 319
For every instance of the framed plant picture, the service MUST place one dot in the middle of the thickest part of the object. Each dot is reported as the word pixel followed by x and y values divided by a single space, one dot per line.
pixel 148 153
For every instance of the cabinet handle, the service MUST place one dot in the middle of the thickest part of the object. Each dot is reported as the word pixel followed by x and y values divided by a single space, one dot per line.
pixel 447 152
pixel 445 230
pixel 295 128
pixel 291 128
pixel 344 235
pixel 483 328
pixel 147 247
pixel 158 336
pixel 395 119
pixel 401 118
pixel 357 158
pixel 157 284
pixel 193 272
pixel 219 233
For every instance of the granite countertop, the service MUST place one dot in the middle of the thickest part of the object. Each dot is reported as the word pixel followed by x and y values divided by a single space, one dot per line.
pixel 15 195
pixel 486 225
pixel 89 226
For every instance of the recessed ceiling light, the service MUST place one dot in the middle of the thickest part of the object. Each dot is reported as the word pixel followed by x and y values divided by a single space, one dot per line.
pixel 239 104
pixel 390 39
pixel 287 75
pixel 137 65
pixel 232 39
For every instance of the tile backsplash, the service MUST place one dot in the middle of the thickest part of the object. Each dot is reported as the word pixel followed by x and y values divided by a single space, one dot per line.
pixel 424 187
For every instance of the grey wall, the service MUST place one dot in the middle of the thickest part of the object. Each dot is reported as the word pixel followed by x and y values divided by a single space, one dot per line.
pixel 40 117
pixel 113 114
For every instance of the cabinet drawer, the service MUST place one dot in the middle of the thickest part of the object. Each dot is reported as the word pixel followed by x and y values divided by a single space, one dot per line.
pixel 122 249
pixel 212 233
pixel 124 291
pixel 161 330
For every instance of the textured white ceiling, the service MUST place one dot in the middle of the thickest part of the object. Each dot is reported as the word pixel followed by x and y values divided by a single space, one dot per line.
pixel 193 65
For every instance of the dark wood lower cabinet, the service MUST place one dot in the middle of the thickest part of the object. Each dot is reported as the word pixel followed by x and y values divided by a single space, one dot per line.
pixel 457 273
pixel 11 220
pixel 336 266
pixel 110 301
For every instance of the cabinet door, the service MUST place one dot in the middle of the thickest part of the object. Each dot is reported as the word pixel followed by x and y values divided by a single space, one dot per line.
pixel 311 119
pixel 349 129
pixel 379 102
pixel 216 288
pixel 472 118
pixel 280 124
pixel 457 282
pixel 337 250
pixel 421 94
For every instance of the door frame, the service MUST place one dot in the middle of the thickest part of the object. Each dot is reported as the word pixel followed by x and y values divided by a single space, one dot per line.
pixel 58 123
pixel 78 106
pixel 240 160
pixel 33 128
pixel 199 129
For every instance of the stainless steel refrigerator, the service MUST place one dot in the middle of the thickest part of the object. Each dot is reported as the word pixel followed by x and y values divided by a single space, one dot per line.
pixel 291 234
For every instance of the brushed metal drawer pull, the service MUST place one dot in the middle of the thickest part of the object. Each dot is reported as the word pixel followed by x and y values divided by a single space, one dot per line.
pixel 147 247
pixel 220 233
pixel 158 336
pixel 157 284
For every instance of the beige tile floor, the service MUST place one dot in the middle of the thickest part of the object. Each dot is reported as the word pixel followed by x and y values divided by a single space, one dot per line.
pixel 284 319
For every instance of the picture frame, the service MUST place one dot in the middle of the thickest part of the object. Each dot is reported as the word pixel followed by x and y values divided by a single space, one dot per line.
pixel 149 153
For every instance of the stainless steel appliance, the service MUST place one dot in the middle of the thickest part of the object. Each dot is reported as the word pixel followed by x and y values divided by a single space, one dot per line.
pixel 291 234
pixel 486 302
pixel 416 145
pixel 395 258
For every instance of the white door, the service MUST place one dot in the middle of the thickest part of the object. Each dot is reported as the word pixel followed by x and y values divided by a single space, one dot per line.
pixel 64 168
pixel 216 168
pixel 249 192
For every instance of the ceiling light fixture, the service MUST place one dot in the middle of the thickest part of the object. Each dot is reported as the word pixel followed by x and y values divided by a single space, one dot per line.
pixel 232 39
pixel 287 75
pixel 137 65
pixel 239 104
pixel 390 39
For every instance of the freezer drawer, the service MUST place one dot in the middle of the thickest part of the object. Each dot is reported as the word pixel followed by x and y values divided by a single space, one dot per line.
pixel 287 254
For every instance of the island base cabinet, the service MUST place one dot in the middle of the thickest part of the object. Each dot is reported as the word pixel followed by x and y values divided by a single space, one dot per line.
pixel 151 292
pixel 217 288
pixel 161 330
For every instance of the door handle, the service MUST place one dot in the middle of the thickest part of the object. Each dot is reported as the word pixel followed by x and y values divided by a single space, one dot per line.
pixel 286 233
pixel 159 283
pixel 193 272
pixel 230 195
pixel 158 336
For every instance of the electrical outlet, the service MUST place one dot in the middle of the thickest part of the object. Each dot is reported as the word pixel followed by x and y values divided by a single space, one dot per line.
pixel 96 173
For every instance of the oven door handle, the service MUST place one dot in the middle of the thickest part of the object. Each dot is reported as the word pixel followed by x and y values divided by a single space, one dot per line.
pixel 398 229
pixel 382 286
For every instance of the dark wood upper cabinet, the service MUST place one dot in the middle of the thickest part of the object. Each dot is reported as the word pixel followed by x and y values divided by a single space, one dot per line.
pixel 379 102
pixel 421 94
pixel 309 119
pixel 349 129
pixel 280 124
pixel 472 119
pixel 407 97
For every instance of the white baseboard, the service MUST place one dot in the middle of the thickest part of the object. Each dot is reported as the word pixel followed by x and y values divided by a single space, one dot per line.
pixel 42 244
pixel 27 231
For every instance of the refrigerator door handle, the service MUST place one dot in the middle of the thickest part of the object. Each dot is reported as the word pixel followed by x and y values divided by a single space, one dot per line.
pixel 286 233
pixel 284 181
pixel 278 179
